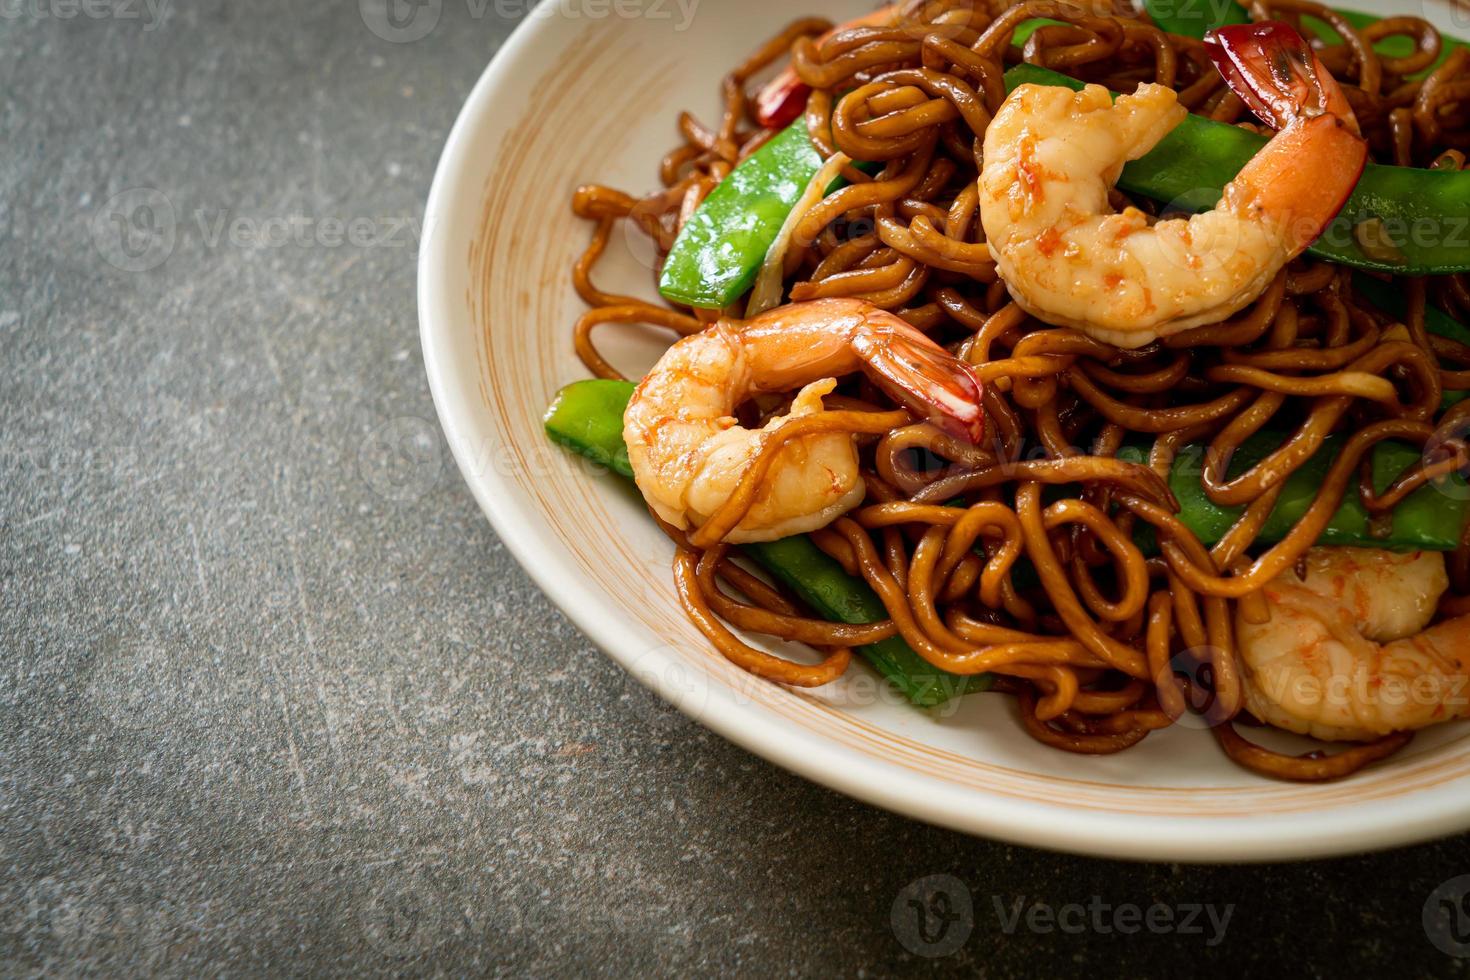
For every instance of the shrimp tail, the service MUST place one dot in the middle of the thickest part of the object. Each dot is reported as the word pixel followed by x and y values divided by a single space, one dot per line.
pixel 1308 172
pixel 1277 74
pixel 926 379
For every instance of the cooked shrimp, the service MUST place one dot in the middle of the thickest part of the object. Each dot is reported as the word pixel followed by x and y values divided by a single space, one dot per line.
pixel 1345 655
pixel 688 452
pixel 1052 155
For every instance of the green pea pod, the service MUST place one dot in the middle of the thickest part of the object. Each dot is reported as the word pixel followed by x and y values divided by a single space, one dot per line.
pixel 716 256
pixel 837 596
pixel 715 259
pixel 1425 214
pixel 587 418
pixel 1192 18
pixel 1429 519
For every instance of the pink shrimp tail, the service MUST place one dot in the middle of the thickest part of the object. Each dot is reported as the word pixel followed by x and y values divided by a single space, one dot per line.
pixel 1275 71
pixel 927 380
pixel 1308 171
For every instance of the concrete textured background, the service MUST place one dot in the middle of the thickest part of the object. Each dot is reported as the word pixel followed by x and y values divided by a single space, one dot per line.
pixel 272 695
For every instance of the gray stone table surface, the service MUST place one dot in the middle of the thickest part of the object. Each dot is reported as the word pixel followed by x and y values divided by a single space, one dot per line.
pixel 272 695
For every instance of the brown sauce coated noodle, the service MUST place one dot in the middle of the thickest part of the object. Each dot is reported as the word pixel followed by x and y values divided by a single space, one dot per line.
pixel 1099 643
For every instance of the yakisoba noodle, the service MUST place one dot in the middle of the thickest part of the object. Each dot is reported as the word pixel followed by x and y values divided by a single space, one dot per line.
pixel 1093 653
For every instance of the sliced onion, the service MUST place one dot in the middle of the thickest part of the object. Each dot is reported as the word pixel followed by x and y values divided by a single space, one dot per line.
pixel 766 293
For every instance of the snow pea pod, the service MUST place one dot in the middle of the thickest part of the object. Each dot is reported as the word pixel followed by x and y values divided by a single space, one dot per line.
pixel 716 256
pixel 839 597
pixel 1428 519
pixel 715 259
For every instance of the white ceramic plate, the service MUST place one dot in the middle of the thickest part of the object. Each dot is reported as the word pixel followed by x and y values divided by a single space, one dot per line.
pixel 575 97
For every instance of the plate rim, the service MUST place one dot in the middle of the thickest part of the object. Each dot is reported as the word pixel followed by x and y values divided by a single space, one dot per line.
pixel 1146 837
